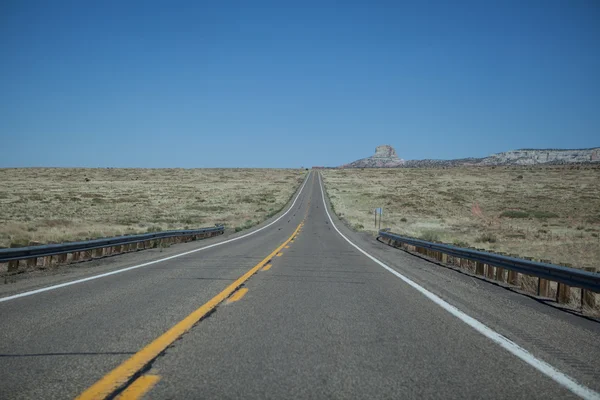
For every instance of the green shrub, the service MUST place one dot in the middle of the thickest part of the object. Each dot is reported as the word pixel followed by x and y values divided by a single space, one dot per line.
pixel 430 236
pixel 514 214
pixel 486 238
pixel 248 224
pixel 593 220
pixel 19 242
pixel 516 235
pixel 543 214
pixel 460 243
pixel 403 219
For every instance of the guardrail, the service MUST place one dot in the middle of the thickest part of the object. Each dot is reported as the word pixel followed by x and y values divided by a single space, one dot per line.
pixel 89 249
pixel 494 266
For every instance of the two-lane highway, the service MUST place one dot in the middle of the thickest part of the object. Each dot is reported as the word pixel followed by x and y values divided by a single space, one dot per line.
pixel 312 317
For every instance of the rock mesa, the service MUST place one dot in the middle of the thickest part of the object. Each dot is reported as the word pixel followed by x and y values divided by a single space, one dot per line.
pixel 385 157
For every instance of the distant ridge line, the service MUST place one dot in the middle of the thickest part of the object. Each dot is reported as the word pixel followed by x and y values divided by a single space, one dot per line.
pixel 389 159
pixel 588 148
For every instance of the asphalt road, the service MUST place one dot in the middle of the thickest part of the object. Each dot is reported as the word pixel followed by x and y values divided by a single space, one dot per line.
pixel 322 320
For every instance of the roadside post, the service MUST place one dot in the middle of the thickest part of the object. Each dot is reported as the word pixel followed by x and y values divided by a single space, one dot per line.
pixel 379 211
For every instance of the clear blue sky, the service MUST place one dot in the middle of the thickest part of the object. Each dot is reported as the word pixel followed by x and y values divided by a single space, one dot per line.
pixel 265 84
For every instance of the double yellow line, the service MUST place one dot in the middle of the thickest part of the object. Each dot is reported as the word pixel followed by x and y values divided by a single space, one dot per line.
pixel 123 374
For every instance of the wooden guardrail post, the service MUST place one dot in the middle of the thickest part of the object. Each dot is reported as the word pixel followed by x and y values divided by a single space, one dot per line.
pixel 32 262
pixel 543 288
pixel 499 272
pixel 563 292
pixel 13 266
pixel 489 271
pixel 479 268
pixel 499 275
pixel 513 276
pixel 47 261
pixel 588 298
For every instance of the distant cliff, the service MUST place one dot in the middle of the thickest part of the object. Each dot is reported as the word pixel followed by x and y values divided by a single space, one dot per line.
pixel 548 156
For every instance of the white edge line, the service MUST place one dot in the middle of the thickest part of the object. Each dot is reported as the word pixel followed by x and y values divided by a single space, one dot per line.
pixel 90 278
pixel 542 366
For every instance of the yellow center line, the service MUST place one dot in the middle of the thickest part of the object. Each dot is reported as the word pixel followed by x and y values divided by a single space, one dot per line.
pixel 286 247
pixel 279 254
pixel 123 373
pixel 237 295
pixel 139 387
pixel 266 267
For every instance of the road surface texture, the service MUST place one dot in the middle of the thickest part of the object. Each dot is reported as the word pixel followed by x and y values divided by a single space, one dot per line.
pixel 317 319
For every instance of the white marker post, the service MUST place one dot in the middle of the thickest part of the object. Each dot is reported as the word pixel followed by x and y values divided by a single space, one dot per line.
pixel 380 212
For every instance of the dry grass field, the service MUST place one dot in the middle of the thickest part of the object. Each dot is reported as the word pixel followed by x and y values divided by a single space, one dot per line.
pixel 549 213
pixel 52 205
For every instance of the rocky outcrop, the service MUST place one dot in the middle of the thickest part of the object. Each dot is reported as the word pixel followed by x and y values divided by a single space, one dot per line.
pixel 547 156
pixel 385 157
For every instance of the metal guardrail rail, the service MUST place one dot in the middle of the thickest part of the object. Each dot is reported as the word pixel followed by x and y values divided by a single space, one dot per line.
pixel 49 250
pixel 556 273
